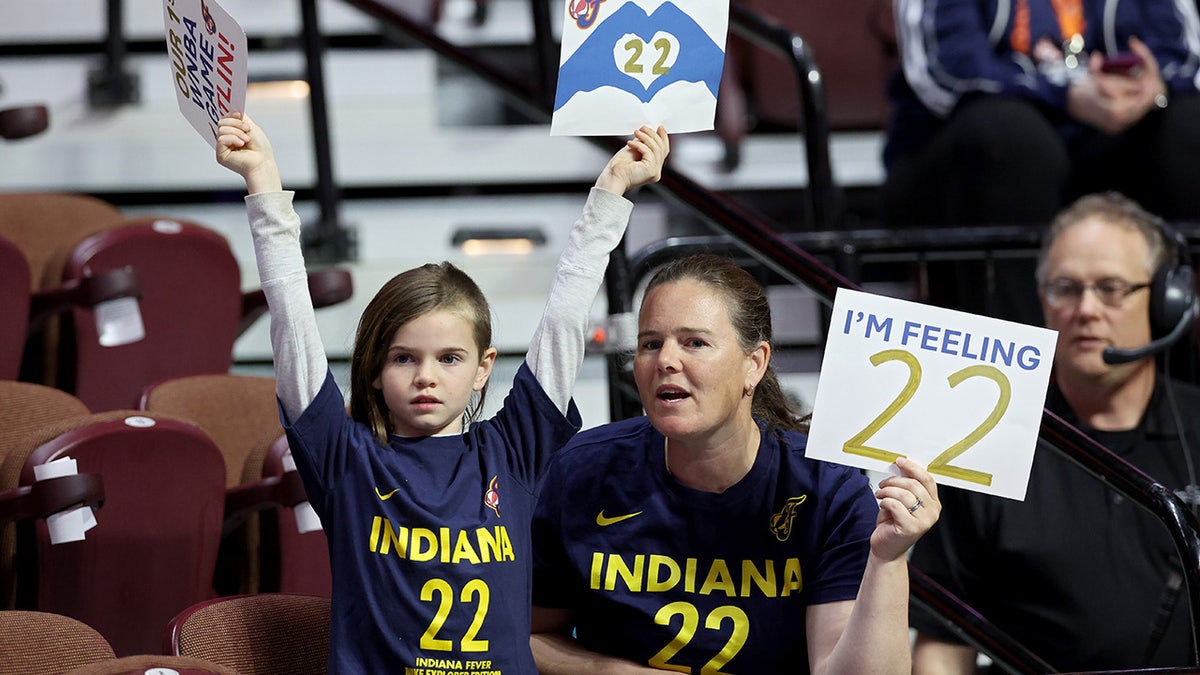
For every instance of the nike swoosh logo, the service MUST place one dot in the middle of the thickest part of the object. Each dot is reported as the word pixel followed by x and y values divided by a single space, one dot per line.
pixel 604 521
pixel 383 497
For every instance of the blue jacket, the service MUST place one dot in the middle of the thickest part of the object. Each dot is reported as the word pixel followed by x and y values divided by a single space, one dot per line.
pixel 953 50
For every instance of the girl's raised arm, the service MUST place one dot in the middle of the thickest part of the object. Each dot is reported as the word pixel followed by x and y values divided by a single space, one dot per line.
pixel 300 362
pixel 556 351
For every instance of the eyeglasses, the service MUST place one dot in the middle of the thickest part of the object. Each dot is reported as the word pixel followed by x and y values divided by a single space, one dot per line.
pixel 1062 293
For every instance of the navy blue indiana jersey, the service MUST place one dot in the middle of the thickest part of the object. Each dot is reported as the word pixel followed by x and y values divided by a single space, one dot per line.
pixel 693 581
pixel 429 537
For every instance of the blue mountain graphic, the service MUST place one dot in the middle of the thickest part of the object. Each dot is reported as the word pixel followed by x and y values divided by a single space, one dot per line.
pixel 591 66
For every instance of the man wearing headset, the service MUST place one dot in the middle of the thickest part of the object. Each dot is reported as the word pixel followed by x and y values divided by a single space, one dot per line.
pixel 1081 576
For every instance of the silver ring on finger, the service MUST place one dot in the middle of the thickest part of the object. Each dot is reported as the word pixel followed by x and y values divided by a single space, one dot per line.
pixel 914 507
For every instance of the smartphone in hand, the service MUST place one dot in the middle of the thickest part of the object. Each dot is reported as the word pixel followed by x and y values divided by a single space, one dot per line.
pixel 1122 64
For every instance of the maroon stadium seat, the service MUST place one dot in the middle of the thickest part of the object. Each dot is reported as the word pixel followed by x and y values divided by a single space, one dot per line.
pixel 42 643
pixel 240 413
pixel 154 548
pixel 257 634
pixel 15 289
pixel 184 274
pixel 38 224
pixel 191 306
pixel 147 664
pixel 297 562
pixel 25 409
pixel 854 47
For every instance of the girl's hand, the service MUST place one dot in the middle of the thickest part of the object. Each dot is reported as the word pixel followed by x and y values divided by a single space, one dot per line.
pixel 242 147
pixel 639 162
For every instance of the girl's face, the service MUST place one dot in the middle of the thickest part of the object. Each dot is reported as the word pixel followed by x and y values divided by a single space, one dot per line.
pixel 691 371
pixel 431 369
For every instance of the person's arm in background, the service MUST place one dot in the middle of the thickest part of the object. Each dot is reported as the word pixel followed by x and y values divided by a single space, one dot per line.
pixel 946 50
pixel 1164 30
pixel 1113 102
pixel 935 657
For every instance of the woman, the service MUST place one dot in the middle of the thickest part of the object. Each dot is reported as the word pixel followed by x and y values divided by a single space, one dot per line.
pixel 700 538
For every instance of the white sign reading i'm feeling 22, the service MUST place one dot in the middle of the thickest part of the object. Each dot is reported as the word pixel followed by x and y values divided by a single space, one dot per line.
pixel 628 63
pixel 960 393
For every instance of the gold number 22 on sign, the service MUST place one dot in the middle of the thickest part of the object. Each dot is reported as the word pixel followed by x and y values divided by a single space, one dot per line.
pixel 857 445
pixel 634 47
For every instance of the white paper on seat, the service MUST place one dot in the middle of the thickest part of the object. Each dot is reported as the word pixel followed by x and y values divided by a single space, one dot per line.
pixel 307 519
pixel 119 322
pixel 69 525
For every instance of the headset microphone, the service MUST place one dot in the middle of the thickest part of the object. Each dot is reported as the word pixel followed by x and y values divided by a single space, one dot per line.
pixel 1173 302
pixel 1114 356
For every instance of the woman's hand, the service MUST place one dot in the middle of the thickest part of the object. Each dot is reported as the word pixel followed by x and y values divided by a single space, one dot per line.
pixel 908 508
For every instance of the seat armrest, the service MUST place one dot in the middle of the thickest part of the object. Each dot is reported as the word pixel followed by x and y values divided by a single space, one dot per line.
pixel 49 496
pixel 260 495
pixel 327 287
pixel 330 286
pixel 23 121
pixel 86 292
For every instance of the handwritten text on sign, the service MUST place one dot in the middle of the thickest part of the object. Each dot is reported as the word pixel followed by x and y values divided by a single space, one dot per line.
pixel 207 49
pixel 960 393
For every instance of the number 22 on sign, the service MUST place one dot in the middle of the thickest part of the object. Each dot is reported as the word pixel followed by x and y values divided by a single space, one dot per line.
pixel 857 444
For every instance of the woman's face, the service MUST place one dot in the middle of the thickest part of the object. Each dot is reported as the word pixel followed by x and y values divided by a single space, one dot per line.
pixel 691 371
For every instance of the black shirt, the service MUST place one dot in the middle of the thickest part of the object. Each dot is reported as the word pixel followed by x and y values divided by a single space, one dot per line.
pixel 1077 573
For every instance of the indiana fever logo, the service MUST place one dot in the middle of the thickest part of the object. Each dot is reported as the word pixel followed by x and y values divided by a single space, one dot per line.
pixel 492 497
pixel 585 12
pixel 781 523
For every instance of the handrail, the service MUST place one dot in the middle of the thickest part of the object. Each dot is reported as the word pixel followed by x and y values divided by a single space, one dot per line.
pixel 824 198
pixel 518 92
pixel 956 242
pixel 752 230
pixel 987 239
pixel 327 240
pixel 973 627
pixel 761 239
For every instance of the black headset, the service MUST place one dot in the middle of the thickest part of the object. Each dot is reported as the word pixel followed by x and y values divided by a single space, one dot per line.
pixel 1172 299
pixel 1173 289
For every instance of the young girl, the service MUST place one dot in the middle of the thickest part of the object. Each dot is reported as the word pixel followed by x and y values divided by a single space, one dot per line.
pixel 427 520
